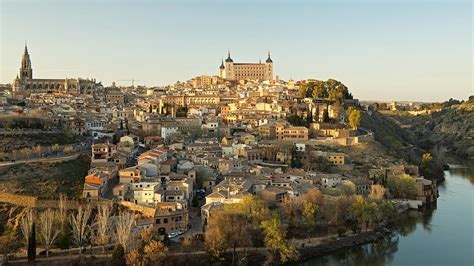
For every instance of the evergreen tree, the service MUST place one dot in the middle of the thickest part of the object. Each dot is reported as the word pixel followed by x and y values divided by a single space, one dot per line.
pixel 309 116
pixel 326 114
pixel 32 244
pixel 317 112
pixel 118 255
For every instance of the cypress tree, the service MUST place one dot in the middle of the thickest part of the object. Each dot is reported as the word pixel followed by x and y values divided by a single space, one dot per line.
pixel 32 244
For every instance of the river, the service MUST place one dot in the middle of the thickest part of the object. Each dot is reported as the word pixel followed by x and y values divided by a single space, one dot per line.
pixel 441 235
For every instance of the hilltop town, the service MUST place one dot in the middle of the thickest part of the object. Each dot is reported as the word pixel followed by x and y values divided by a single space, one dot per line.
pixel 203 168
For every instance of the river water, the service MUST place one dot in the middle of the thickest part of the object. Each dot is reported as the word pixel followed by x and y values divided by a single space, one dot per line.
pixel 441 235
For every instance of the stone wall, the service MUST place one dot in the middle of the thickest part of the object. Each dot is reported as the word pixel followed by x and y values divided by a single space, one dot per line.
pixel 26 201
pixel 33 202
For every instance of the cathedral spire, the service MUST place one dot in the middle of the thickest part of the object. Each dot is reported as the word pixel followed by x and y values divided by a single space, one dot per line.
pixel 25 69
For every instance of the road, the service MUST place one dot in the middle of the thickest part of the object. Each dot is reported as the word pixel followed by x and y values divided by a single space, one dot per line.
pixel 53 159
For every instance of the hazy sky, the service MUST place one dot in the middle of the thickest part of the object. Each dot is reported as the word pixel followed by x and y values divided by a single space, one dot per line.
pixel 399 50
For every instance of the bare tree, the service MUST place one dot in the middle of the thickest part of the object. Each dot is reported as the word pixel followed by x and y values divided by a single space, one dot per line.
pixel 123 226
pixel 26 153
pixel 104 226
pixel 62 213
pixel 55 148
pixel 26 224
pixel 37 149
pixel 48 231
pixel 80 225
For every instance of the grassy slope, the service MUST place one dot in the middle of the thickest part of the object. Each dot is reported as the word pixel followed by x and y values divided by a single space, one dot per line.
pixel 19 141
pixel 45 180
pixel 452 128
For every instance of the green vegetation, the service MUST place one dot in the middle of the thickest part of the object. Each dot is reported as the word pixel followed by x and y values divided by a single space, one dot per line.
pixel 355 116
pixel 22 122
pixel 10 141
pixel 403 187
pixel 386 131
pixel 331 89
pixel 296 120
pixel 276 241
pixel 45 180
pixel 451 129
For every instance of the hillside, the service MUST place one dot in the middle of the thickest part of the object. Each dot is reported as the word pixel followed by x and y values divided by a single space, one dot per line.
pixel 45 180
pixel 450 130
pixel 16 140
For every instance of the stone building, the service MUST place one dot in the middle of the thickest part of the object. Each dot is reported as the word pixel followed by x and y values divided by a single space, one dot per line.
pixel 24 83
pixel 246 71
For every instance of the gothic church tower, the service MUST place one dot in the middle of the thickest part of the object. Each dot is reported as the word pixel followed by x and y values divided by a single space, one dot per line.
pixel 26 72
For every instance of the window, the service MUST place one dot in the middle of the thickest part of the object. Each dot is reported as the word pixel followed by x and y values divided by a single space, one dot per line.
pixel 158 221
pixel 165 220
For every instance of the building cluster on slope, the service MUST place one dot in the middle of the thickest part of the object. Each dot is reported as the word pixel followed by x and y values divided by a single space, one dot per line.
pixel 209 141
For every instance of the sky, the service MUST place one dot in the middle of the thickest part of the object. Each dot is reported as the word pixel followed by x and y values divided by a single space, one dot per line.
pixel 382 50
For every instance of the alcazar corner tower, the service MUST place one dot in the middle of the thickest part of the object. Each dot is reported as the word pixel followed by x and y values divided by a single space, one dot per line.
pixel 246 71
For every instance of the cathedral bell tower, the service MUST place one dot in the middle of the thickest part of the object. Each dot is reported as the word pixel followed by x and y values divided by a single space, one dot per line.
pixel 26 72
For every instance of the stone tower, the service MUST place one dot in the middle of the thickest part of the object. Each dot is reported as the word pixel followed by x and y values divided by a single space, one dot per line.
pixel 26 72
pixel 269 68
pixel 222 70
pixel 229 67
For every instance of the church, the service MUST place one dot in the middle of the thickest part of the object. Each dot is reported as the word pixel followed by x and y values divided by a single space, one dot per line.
pixel 246 71
pixel 24 83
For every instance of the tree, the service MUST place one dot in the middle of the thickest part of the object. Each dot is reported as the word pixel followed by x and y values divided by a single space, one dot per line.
pixel 402 186
pixel 228 224
pixel 426 165
pixel 26 225
pixel 377 192
pixel 104 225
pixel 275 240
pixel 309 116
pixel 388 210
pixel 355 117
pixel 68 149
pixel 348 188
pixel 62 212
pixel 37 150
pixel 64 238
pixel 309 214
pixel 155 252
pixel 362 211
pixel 134 257
pixel 303 90
pixel 55 148
pixel 26 153
pixel 118 255
pixel 296 120
pixel 326 114
pixel 124 223
pixel 8 244
pixel 80 225
pixel 317 113
pixel 32 244
pixel 48 231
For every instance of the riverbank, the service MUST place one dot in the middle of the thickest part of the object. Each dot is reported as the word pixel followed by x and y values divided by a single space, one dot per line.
pixel 428 237
pixel 307 251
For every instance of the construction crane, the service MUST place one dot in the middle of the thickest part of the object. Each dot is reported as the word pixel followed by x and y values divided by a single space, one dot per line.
pixel 132 80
